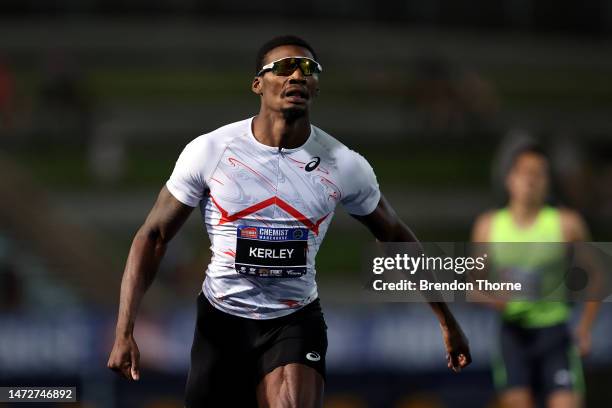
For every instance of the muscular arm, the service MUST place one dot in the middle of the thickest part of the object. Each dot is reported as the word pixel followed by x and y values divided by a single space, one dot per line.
pixel 146 253
pixel 386 226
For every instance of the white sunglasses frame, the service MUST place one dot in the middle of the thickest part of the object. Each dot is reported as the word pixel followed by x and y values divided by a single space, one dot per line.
pixel 269 66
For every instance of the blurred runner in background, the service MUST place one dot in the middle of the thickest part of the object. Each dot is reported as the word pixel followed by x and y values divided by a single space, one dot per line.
pixel 539 358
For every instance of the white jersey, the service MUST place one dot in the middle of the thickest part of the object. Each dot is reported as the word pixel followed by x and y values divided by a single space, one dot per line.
pixel 266 211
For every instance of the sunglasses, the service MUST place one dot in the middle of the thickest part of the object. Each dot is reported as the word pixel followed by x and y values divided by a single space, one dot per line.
pixel 286 66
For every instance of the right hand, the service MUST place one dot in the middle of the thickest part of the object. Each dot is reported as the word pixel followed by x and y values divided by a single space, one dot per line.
pixel 457 348
pixel 125 358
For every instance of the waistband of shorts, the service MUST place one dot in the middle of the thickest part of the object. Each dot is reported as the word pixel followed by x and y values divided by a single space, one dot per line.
pixel 313 306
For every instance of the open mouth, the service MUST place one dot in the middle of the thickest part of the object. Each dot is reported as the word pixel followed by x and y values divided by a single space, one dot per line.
pixel 296 95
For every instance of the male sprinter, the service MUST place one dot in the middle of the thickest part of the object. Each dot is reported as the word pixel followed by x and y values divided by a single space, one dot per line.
pixel 267 187
pixel 537 354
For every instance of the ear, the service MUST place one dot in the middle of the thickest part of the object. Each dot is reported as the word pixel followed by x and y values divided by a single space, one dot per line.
pixel 256 86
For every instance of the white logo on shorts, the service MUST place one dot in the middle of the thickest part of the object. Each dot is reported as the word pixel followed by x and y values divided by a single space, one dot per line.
pixel 563 377
pixel 313 356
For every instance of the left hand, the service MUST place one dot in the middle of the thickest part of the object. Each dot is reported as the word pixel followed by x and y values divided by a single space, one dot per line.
pixel 457 348
pixel 583 340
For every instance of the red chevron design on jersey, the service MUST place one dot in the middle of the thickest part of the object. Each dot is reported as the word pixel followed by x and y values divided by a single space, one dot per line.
pixel 288 208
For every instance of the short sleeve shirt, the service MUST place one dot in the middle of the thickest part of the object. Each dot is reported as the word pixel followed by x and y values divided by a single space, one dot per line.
pixel 266 211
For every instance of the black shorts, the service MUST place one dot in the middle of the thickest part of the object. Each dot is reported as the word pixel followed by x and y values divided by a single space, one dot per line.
pixel 231 354
pixel 541 359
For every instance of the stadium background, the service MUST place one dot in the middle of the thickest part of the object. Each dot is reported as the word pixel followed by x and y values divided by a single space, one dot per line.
pixel 97 99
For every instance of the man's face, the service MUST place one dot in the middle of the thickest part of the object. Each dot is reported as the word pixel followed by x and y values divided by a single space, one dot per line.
pixel 290 94
pixel 528 179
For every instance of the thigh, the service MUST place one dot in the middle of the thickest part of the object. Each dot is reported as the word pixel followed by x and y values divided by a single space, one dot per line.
pixel 560 369
pixel 512 366
pixel 298 338
pixel 563 399
pixel 222 370
pixel 291 362
pixel 517 397
pixel 291 386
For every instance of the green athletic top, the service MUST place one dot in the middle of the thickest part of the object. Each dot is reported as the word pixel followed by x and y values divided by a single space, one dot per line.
pixel 540 266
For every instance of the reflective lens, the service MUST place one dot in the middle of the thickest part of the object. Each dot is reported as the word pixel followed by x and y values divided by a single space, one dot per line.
pixel 286 66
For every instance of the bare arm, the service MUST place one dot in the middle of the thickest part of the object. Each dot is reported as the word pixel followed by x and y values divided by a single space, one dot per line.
pixel 575 230
pixel 481 233
pixel 482 227
pixel 147 250
pixel 386 226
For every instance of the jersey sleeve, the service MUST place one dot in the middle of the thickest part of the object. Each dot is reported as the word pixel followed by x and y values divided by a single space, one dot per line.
pixel 360 187
pixel 187 183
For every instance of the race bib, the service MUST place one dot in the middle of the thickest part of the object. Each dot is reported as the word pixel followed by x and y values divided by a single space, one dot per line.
pixel 271 252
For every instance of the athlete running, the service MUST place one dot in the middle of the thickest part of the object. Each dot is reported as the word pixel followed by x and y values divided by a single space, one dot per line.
pixel 267 188
pixel 537 356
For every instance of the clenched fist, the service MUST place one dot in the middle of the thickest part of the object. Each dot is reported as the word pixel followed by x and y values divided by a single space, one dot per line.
pixel 125 358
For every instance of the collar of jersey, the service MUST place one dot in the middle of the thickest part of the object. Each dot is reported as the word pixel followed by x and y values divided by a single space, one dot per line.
pixel 275 149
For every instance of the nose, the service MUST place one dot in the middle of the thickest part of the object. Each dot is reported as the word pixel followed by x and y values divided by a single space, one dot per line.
pixel 297 77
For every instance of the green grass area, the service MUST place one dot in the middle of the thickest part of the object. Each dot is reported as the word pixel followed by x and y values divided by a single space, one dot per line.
pixel 571 87
pixel 152 84
pixel 57 168
pixel 68 168
pixel 560 86
pixel 148 166
pixel 412 167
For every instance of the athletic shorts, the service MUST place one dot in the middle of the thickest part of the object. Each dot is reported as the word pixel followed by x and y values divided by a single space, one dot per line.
pixel 231 355
pixel 541 359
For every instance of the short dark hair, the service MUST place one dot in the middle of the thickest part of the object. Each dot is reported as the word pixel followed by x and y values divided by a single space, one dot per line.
pixel 531 147
pixel 277 42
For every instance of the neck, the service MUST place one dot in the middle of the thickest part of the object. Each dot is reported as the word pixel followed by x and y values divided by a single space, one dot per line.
pixel 277 129
pixel 524 213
